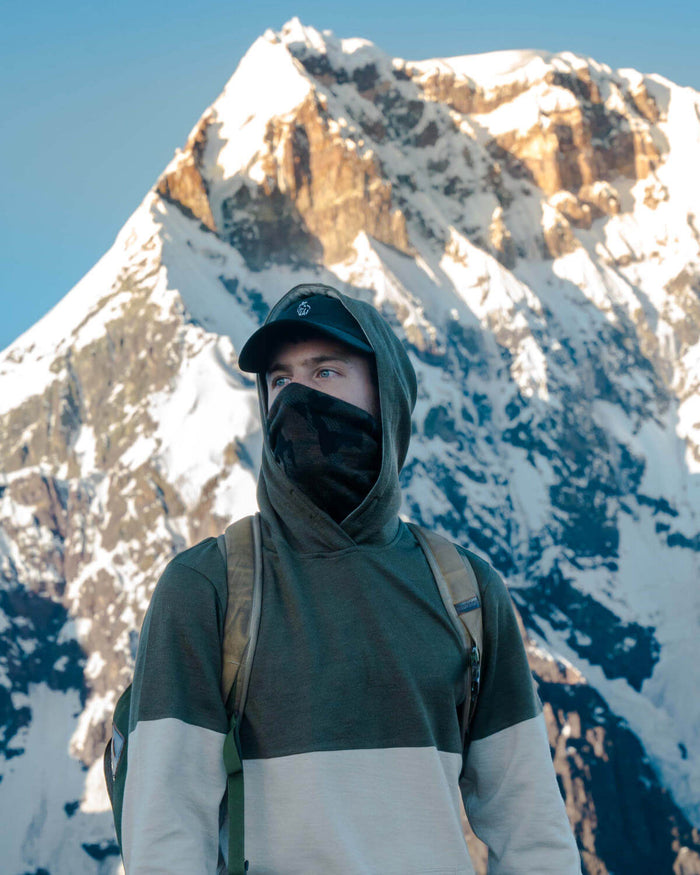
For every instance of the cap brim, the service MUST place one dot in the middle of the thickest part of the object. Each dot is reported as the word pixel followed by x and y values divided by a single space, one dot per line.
pixel 255 355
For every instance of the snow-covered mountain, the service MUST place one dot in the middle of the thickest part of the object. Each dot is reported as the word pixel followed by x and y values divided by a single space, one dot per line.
pixel 528 223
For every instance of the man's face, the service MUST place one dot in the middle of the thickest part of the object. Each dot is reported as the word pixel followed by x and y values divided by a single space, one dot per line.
pixel 326 365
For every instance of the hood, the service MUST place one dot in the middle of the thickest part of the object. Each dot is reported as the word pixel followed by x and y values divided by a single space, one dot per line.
pixel 286 511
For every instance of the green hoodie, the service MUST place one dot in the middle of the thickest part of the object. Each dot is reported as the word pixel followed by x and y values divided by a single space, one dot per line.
pixel 285 509
pixel 353 757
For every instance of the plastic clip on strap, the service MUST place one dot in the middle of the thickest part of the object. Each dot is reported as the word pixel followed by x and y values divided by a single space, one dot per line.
pixel 475 662
pixel 460 593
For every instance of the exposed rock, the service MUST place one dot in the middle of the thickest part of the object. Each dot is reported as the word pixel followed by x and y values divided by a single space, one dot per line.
pixel 602 196
pixel 570 147
pixel 684 312
pixel 645 103
pixel 494 181
pixel 264 224
pixel 622 819
pixel 558 237
pixel 183 183
pixel 579 82
pixel 337 188
pixel 428 136
pixel 579 146
pixel 501 239
pixel 688 861
pixel 462 94
pixel 646 155
pixel 375 129
pixel 654 194
pixel 577 213
pixel 136 354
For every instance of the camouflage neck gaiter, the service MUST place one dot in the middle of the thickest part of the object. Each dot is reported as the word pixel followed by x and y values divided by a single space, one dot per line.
pixel 329 448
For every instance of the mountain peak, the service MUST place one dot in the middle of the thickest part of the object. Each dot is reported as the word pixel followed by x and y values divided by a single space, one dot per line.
pixel 293 32
pixel 527 223
pixel 299 38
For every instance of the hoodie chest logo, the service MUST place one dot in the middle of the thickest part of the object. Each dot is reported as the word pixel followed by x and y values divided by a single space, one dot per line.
pixel 304 308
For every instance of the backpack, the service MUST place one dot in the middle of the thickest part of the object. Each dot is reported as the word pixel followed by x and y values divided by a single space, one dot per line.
pixel 241 548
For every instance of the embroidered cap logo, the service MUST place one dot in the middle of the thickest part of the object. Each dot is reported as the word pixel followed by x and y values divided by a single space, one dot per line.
pixel 304 308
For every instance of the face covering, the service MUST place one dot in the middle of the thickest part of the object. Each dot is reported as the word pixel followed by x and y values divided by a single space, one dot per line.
pixel 329 448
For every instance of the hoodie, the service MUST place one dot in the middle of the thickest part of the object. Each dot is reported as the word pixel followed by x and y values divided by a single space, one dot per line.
pixel 353 757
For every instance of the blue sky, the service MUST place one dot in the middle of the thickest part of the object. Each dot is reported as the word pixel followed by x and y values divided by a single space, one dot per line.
pixel 95 97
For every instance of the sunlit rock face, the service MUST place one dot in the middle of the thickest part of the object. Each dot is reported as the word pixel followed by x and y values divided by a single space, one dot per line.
pixel 527 224
pixel 587 129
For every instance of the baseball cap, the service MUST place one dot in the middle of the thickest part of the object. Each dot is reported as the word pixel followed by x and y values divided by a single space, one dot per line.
pixel 320 312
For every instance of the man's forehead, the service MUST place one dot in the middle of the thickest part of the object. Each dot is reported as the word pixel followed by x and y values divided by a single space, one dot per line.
pixel 310 351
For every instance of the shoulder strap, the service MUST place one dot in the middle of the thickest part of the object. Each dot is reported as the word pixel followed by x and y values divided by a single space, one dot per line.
pixel 459 588
pixel 241 546
pixel 242 553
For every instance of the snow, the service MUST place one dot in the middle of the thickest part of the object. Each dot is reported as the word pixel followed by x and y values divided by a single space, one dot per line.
pixel 349 54
pixel 194 263
pixel 205 423
pixel 243 110
pixel 35 786
pixel 524 112
pixel 95 664
pixel 491 67
pixel 682 130
pixel 83 624
pixel 23 515
pixel 26 366
pixel 236 494
pixel 198 416
pixel 85 447
pixel 529 490
pixel 650 721
pixel 95 799
pixel 490 291
pixel 688 428
pixel 529 368
pixel 19 700
pixel 587 277
pixel 665 473
pixel 396 281
pixel 295 32
pixel 98 711
pixel 142 449
pixel 355 46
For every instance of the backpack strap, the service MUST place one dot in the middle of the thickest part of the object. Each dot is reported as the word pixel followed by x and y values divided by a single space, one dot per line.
pixel 243 557
pixel 459 588
pixel 241 547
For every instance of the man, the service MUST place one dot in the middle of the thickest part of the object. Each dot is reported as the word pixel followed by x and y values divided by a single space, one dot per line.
pixel 351 740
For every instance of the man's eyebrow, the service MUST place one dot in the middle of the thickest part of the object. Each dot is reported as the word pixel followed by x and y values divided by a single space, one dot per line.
pixel 312 360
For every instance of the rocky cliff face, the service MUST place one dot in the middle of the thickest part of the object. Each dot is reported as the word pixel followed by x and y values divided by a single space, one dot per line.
pixel 526 222
pixel 599 762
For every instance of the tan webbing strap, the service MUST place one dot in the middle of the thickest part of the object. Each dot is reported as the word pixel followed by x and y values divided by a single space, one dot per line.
pixel 459 588
pixel 243 554
pixel 241 567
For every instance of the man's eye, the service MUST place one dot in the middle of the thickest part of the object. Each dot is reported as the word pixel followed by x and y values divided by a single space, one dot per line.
pixel 279 381
pixel 325 372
